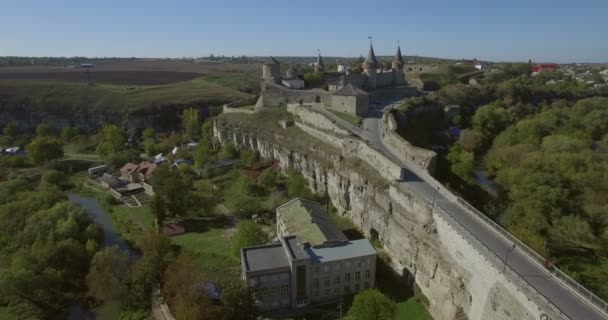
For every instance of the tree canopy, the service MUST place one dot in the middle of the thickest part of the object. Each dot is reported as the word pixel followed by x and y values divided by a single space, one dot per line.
pixel 247 234
pixel 372 305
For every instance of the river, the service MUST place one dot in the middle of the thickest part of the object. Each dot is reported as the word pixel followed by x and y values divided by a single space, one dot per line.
pixel 111 237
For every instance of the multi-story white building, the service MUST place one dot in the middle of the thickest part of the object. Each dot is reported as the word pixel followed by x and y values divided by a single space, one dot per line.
pixel 313 261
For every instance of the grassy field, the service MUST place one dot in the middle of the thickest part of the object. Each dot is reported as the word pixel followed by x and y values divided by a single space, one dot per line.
pixel 6 315
pixel 352 119
pixel 77 97
pixel 212 249
pixel 412 310
pixel 442 79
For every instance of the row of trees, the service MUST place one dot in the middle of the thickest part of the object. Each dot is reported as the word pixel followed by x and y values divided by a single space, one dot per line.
pixel 39 231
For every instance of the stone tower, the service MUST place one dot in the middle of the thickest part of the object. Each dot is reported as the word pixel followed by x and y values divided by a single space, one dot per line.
pixel 319 66
pixel 397 66
pixel 271 71
pixel 370 67
pixel 291 73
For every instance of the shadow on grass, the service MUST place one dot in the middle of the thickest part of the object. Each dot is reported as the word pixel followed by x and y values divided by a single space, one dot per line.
pixel 205 224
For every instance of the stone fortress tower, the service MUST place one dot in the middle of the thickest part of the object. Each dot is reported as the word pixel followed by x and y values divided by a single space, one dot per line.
pixel 271 71
pixel 397 67
pixel 370 67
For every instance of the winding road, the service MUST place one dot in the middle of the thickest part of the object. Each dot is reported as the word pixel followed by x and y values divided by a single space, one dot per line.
pixel 559 297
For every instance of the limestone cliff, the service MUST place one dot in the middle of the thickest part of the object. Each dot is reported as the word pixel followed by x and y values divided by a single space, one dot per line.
pixel 455 277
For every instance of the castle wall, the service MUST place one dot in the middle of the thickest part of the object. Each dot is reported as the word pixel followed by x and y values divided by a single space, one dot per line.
pixel 424 158
pixel 357 105
pixel 275 95
pixel 451 269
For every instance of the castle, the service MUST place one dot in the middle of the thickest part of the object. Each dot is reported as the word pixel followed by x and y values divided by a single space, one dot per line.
pixel 347 91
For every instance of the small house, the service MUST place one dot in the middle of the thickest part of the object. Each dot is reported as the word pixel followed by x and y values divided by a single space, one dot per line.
pixel 145 171
pixel 129 172
pixel 109 181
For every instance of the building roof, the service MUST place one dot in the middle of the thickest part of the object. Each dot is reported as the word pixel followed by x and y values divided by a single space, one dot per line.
pixel 129 168
pixel 398 58
pixel 147 168
pixel 309 222
pixel 111 180
pixel 371 61
pixel 271 60
pixel 295 247
pixel 351 249
pixel 349 90
pixel 265 257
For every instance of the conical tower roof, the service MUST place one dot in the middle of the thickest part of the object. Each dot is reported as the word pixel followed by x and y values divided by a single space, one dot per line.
pixel 398 59
pixel 319 60
pixel 370 61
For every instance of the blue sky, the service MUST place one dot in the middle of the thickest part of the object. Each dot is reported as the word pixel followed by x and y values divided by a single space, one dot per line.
pixel 498 30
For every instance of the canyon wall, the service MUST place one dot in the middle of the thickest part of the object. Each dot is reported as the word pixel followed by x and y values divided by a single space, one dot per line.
pixel 450 269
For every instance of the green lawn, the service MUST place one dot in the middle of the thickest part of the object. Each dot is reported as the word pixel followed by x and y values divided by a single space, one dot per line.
pixel 352 119
pixel 6 315
pixel 412 310
pixel 212 248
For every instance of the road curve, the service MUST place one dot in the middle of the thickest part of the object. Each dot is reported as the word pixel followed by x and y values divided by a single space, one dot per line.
pixel 552 289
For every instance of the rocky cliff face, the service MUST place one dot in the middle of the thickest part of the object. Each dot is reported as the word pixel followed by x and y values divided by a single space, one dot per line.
pixel 454 277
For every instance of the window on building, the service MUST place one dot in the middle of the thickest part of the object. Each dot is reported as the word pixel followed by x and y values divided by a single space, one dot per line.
pixel 326 282
pixel 346 289
pixel 366 274
pixel 337 290
pixel 357 288
pixel 326 292
pixel 347 277
pixel 366 285
pixel 315 293
pixel 315 283
pixel 337 280
pixel 315 269
pixel 264 292
pixel 284 289
pixel 357 275
pixel 275 291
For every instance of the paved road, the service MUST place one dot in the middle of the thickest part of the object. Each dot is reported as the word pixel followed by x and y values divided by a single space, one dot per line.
pixel 533 273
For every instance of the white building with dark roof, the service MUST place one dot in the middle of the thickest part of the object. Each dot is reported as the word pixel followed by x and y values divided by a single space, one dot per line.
pixel 312 263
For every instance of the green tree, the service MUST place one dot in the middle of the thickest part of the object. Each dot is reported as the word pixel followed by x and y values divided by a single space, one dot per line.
pixel 268 178
pixel 191 122
pixel 237 300
pixel 462 163
pixel 148 133
pixel 44 149
pixel 297 185
pixel 111 141
pixel 247 234
pixel 313 79
pixel 159 209
pixel 202 155
pixel 108 275
pixel 150 147
pixel 10 130
pixel 68 133
pixel 372 305
pixel 229 151
pixel 43 129
pixel 490 120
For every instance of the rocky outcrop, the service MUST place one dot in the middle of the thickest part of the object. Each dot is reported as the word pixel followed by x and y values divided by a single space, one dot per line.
pixel 450 270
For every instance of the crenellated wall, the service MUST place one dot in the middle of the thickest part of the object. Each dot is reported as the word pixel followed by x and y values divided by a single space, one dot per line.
pixel 450 269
